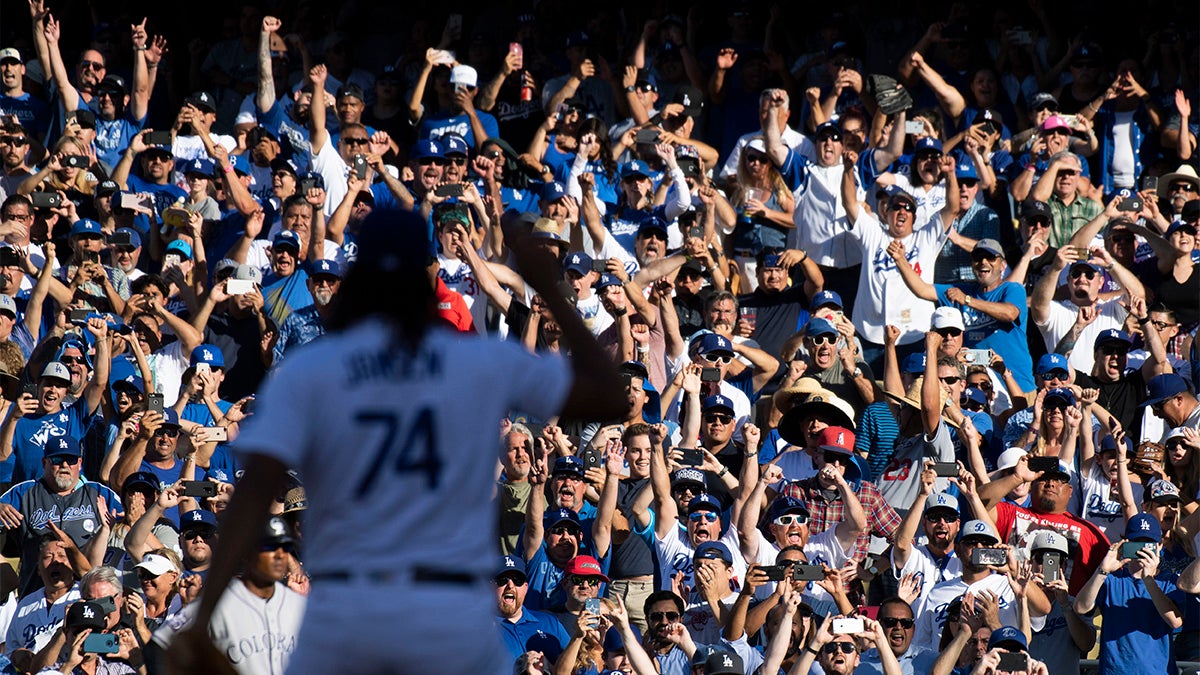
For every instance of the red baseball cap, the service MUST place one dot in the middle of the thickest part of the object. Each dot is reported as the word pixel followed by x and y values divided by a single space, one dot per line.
pixel 836 439
pixel 585 566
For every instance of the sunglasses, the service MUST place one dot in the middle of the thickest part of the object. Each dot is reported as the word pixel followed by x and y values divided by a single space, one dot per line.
pixel 949 332
pixel 15 141
pixel 1089 273
pixel 193 534
pixel 458 161
pixel 144 575
pixel 1112 350
pixel 665 617
pixel 986 385
pixel 271 548
pixel 1047 106
pixel 950 379
pixel 904 205
pixel 590 582
pixel 494 154
pixel 73 360
pixel 1185 187
pixel 755 158
pixel 893 621
pixel 830 136
pixel 169 432
pixel 565 531
pixel 791 519
pixel 941 517
pixel 1056 375
pixel 93 65
pixel 1122 239
pixel 501 582
pixel 436 161
pixel 823 340
pixel 1161 325
pixel 836 458
pixel 1057 405
pixel 356 141
pixel 686 489
pixel 843 647
pixel 968 182
pixel 721 418
pixel 1035 224
pixel 723 360
pixel 707 516
pixel 69 460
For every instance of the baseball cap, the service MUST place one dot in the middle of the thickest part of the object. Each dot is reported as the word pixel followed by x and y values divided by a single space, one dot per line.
pixel 1163 491
pixel 62 446
pixel 551 235
pixel 975 394
pixel 826 298
pixel 86 226
pixel 1061 393
pixel 822 402
pixel 1143 527
pixel 711 343
pixel 184 248
pixel 156 564
pixel 295 499
pixel 277 532
pixel 716 402
pixel 941 500
pixel 141 479
pixel 207 353
pixel 286 239
pixel 690 98
pixel 464 75
pixel 635 168
pixel 553 191
pixel 585 566
pixel 1159 388
pixel 454 144
pixel 511 564
pixel 652 223
pixel 1177 225
pixel 1049 541
pixel 1008 459
pixel 723 662
pixel 836 439
pixel 57 370
pixel 10 54
pixel 689 476
pixel 426 148
pixel 990 246
pixel 247 273
pixel 325 267
pixel 7 305
pixel 818 327
pixel 197 518
pixel 613 642
pixel 202 166
pixel 1054 122
pixel 980 530
pixel 713 550
pixel 827 129
pixel 605 281
pixel 1042 99
pixel 1109 444
pixel 578 262
pixel 1009 638
pixel 947 317
pixel 1050 363
pixel 135 239
pixel 568 464
pixel 86 119
pixel 913 363
pixel 86 614
pixel 929 144
pixel 635 369
pixel 1036 210
pixel 1061 473
pixel 785 504
pixel 170 417
pixel 352 90
pixel 1113 335
pixel 965 169
pixel 704 502
pixel 202 100
pixel 555 516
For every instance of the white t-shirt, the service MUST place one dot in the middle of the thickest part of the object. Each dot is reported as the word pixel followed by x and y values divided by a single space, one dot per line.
pixel 883 299
pixel 168 365
pixel 334 171
pixel 820 218
pixel 1061 318
pixel 1124 163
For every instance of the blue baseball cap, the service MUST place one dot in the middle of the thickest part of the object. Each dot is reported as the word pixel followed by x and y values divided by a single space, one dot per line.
pixel 1084 263
pixel 704 502
pixel 710 343
pixel 202 166
pixel 635 168
pixel 1143 527
pixel 965 169
pixel 1110 335
pixel 142 479
pixel 286 238
pixel 1061 393
pixel 717 401
pixel 827 129
pixel 785 504
pixel 553 191
pixel 605 281
pixel 652 223
pixel 713 550
pixel 135 239
pixel 1008 637
pixel 929 144
pixel 826 298
pixel 975 394
pixel 241 163
pixel 453 144
pixel 555 516
pixel 197 518
pixel 510 564
pixel 913 363
pixel 1177 225
pixel 568 464
pixel 613 642
pixel 130 382
pixel 170 417
pixel 1163 387
pixel 1052 362
pixel 207 353
pixel 426 148
pixel 818 326
pixel 184 248
pixel 86 226
pixel 62 446
pixel 579 262
pixel 329 268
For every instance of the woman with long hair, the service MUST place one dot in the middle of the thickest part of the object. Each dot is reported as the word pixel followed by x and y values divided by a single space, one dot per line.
pixel 764 206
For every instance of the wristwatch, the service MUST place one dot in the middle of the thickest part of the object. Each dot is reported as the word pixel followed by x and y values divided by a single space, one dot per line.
pixel 858 372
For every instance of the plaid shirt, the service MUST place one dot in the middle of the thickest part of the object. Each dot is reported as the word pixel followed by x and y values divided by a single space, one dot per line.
pixel 882 519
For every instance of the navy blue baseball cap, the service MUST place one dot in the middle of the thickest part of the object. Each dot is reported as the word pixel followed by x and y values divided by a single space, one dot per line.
pixel 511 564
pixel 975 394
pixel 170 417
pixel 201 166
pixel 62 446
pixel 826 298
pixel 286 239
pixel 827 129
pixel 329 268
pixel 578 261
pixel 1112 335
pixel 715 402
pixel 818 326
pixel 135 239
pixel 1050 363
pixel 1143 527
pixel 86 226
pixel 652 223
pixel 555 516
pixel 553 191
pixel 1009 638
pixel 636 168
pixel 713 550
pixel 427 148
pixel 453 144
pixel 689 476
pixel 129 383
pixel 197 518
pixel 913 363
pixel 784 505
pixel 1163 387
pixel 1061 393
pixel 704 502
pixel 605 281
pixel 141 479
pixel 207 353
pixel 929 144
pixel 614 643
pixel 711 343
pixel 568 464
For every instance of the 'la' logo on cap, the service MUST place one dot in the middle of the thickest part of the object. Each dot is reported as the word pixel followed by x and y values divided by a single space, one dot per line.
pixel 88 613
pixel 1145 525
pixel 509 563
pixel 207 355
pixel 726 661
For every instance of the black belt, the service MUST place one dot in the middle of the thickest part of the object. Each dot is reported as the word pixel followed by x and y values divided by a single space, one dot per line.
pixel 419 574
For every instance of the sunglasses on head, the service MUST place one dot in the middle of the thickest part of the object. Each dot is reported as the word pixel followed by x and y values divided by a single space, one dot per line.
pixel 843 647
pixel 707 516
pixel 791 518
pixel 718 417
pixel 893 621
pixel 661 617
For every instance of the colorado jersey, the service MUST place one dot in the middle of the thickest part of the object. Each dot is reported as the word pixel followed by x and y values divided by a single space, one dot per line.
pixel 396 439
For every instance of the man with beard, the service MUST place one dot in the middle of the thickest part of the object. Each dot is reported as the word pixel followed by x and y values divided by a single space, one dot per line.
pixel 1049 497
pixel 125 256
pixel 777 307
pixel 34 421
pixel 42 609
pixel 308 323
pixel 14 149
pixel 932 562
pixel 73 505
pixel 522 629
pixel 666 639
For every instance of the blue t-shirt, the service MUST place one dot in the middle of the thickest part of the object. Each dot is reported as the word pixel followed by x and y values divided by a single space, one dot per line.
pixel 30 437
pixel 1133 637
pixel 167 478
pixel 31 112
pixel 164 195
pixel 284 295
pixel 984 332
pixel 534 631
pixel 113 136
pixel 293 135
pixel 199 413
pixel 436 125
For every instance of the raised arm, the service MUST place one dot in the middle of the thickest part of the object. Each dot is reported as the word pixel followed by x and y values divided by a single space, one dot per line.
pixel 855 520
pixel 902 544
pixel 614 463
pixel 1043 292
pixel 265 97
pixel 318 135
pixel 51 31
pixel 948 97
pixel 536 509
pixel 94 391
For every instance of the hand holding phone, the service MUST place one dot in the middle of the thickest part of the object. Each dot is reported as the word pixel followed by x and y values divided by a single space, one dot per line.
pixel 848 626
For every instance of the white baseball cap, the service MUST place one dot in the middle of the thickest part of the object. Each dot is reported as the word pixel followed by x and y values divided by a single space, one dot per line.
pixel 9 53
pixel 57 370
pixel 7 305
pixel 156 564
pixel 1008 459
pixel 947 317
pixel 464 75
pixel 1050 541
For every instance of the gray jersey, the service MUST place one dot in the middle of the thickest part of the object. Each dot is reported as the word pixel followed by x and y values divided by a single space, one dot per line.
pixel 900 482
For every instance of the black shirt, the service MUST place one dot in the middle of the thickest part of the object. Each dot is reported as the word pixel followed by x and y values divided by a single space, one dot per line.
pixel 1122 398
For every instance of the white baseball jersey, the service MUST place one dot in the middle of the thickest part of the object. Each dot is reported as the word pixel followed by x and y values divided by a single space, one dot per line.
pixel 256 635
pixel 35 621
pixel 929 570
pixel 822 548
pixel 396 450
pixel 1061 318
pixel 883 299
pixel 931 612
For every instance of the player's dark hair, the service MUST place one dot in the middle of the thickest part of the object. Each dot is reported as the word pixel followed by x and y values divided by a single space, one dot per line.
pixel 390 279
pixel 896 600
pixel 659 596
